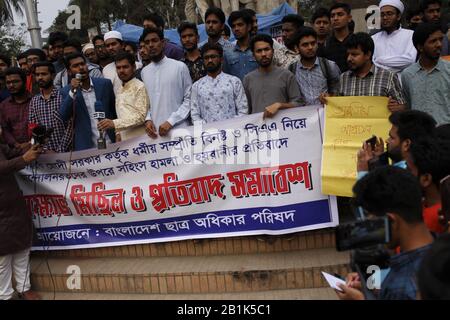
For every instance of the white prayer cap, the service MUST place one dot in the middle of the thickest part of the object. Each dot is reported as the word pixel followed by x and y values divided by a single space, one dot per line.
pixel 88 47
pixel 113 35
pixel 394 3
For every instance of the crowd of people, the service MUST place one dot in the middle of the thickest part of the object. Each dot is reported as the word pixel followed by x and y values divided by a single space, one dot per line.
pixel 156 85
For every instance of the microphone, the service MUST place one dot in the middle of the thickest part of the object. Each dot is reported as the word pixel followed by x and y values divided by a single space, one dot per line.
pixel 101 142
pixel 78 77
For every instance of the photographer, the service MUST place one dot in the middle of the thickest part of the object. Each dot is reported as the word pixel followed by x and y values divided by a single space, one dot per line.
pixel 407 126
pixel 395 193
pixel 16 226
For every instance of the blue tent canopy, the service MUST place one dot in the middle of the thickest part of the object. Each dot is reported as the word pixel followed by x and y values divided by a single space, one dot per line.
pixel 265 23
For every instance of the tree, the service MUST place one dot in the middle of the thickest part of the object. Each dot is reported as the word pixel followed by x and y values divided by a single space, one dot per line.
pixel 7 8
pixel 11 39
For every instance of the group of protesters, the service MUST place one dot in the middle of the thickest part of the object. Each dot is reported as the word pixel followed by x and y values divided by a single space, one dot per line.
pixel 114 90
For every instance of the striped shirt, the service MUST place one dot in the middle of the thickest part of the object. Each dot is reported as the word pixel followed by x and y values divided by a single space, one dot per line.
pixel 313 82
pixel 46 113
pixel 377 83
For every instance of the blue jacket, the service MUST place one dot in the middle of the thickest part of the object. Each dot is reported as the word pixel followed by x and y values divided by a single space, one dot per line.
pixel 82 128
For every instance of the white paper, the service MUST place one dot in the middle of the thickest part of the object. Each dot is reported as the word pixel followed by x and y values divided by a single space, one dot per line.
pixel 333 281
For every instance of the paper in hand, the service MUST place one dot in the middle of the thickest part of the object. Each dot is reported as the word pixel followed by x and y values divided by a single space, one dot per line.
pixel 333 281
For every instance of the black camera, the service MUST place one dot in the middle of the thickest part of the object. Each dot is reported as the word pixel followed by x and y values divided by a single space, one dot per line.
pixel 40 135
pixel 363 234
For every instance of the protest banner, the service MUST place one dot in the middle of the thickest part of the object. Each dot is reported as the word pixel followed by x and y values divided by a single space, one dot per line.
pixel 349 121
pixel 254 177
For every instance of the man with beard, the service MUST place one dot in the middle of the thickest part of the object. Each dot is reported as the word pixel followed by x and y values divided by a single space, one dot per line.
pixel 288 54
pixel 394 49
pixel 269 88
pixel 114 46
pixel 407 127
pixel 426 83
pixel 44 109
pixel 5 63
pixel 317 77
pixel 168 84
pixel 82 99
pixel 432 12
pixel 192 57
pixel 239 61
pixel 215 23
pixel 366 79
pixel 132 102
pixel 218 96
pixel 100 49
pixel 14 110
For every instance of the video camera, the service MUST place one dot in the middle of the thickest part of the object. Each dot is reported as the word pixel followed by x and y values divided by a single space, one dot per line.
pixel 40 134
pixel 367 238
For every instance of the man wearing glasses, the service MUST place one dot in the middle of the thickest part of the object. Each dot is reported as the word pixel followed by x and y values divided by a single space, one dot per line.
pixel 394 48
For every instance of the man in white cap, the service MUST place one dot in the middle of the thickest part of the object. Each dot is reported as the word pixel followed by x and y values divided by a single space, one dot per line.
pixel 114 46
pixel 90 54
pixel 394 49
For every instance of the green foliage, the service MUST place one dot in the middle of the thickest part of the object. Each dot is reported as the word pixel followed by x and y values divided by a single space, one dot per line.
pixel 12 39
pixel 7 7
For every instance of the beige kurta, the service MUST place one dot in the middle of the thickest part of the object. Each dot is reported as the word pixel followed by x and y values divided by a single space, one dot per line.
pixel 132 105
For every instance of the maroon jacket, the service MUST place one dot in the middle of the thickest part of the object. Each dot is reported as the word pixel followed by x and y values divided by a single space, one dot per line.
pixel 16 225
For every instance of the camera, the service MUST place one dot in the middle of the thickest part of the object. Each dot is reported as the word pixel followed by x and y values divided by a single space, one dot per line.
pixel 367 240
pixel 363 234
pixel 40 134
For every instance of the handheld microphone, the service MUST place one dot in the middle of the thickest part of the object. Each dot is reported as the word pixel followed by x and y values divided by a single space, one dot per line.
pixel 101 142
pixel 78 77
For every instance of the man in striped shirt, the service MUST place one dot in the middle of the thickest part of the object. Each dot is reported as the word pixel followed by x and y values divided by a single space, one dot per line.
pixel 44 108
pixel 366 79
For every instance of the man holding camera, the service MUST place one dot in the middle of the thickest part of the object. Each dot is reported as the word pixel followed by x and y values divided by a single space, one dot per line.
pixel 396 194
pixel 16 225
pixel 44 109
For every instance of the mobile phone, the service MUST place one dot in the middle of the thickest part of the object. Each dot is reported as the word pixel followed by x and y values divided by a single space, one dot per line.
pixel 373 142
pixel 445 198
pixel 363 234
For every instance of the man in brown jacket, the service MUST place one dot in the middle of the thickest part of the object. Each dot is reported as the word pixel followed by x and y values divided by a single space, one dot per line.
pixel 16 226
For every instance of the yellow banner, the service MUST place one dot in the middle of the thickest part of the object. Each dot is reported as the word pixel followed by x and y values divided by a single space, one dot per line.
pixel 349 121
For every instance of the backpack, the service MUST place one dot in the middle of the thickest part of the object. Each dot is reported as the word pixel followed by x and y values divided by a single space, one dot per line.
pixel 324 66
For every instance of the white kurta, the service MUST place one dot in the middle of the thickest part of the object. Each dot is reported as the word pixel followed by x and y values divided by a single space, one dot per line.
pixel 110 72
pixel 394 51
pixel 168 84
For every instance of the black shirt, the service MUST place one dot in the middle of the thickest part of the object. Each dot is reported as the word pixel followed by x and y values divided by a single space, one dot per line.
pixel 336 51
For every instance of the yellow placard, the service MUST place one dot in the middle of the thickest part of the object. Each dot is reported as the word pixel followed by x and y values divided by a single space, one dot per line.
pixel 349 121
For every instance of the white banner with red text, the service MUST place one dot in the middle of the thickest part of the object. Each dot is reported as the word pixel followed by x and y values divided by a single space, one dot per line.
pixel 240 177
